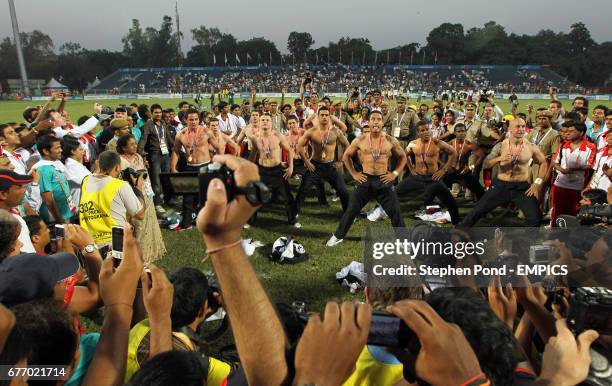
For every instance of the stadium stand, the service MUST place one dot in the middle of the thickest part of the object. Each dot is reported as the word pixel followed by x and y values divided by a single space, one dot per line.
pixel 533 79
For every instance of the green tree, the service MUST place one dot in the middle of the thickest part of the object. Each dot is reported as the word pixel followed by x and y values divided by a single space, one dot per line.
pixel 298 43
pixel 446 41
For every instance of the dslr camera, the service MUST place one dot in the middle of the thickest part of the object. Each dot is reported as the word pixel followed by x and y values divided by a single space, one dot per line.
pixel 591 308
pixel 595 214
pixel 130 173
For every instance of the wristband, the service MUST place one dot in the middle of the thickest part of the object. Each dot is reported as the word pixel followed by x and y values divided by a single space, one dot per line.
pixel 538 181
pixel 477 380
pixel 223 247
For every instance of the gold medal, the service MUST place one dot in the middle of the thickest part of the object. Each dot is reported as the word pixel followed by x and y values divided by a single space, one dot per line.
pixel 190 159
pixel 323 155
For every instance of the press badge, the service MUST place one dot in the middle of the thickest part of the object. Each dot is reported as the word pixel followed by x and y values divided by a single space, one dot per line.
pixel 164 148
pixel 396 132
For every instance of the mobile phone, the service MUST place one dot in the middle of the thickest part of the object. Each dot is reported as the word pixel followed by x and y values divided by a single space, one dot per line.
pixel 389 331
pixel 59 231
pixel 117 242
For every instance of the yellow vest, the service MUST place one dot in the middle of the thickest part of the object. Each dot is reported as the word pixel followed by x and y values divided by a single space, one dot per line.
pixel 94 210
pixel 218 371
pixel 375 367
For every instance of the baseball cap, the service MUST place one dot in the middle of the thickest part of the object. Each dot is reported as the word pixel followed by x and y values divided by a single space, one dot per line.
pixel 9 178
pixel 412 107
pixel 119 123
pixel 401 99
pixel 32 276
pixel 508 118
pixel 544 113
pixel 470 104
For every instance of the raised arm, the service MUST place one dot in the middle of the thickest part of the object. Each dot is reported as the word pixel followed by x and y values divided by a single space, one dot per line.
pixel 338 123
pixel 258 332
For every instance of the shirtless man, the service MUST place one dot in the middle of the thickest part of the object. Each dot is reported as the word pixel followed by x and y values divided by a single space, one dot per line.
pixel 251 130
pixel 294 133
pixel 461 172
pixel 197 143
pixel 322 138
pixel 512 179
pixel 269 144
pixel 375 182
pixel 426 173
pixel 220 139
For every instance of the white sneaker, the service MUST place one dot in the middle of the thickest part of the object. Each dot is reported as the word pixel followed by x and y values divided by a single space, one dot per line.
pixel 246 226
pixel 160 209
pixel 297 225
pixel 333 241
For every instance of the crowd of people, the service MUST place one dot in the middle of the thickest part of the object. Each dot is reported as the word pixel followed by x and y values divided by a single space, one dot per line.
pixel 337 78
pixel 80 201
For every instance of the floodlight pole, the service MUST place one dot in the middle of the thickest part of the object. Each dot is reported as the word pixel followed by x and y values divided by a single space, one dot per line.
pixel 22 69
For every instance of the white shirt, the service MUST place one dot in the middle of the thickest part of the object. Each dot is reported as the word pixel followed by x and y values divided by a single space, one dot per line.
pixel 228 125
pixel 599 179
pixel 583 155
pixel 17 161
pixel 75 172
pixel 77 131
pixel 24 236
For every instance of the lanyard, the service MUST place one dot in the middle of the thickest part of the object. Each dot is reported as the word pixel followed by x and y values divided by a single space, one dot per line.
pixel 266 149
pixel 161 135
pixel 423 154
pixel 400 119
pixel 515 157
pixel 460 152
pixel 536 142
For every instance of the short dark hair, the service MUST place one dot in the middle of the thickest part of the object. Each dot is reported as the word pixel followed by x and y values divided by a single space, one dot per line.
pixel 183 103
pixel 600 107
pixel 322 108
pixel 9 232
pixel 45 142
pixel 490 338
pixel 171 368
pixel 608 112
pixel 222 104
pixel 190 292
pixel 375 112
pixel 558 103
pixel 296 100
pixel 108 160
pixel 213 119
pixel 27 114
pixel 572 116
pixel 122 142
pixel 234 107
pixel 156 106
pixel 583 99
pixel 292 118
pixel 285 106
pixel 82 119
pixel 33 222
pixel 451 112
pixel 190 111
pixel 422 123
pixel 460 126
pixel 437 114
pixel 50 331
pixel 121 109
pixel 69 144
pixel 581 127
pixel 596 196
pixel 16 348
pixel 3 127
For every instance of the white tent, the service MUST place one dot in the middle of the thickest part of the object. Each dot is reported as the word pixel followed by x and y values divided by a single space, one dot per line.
pixel 54 85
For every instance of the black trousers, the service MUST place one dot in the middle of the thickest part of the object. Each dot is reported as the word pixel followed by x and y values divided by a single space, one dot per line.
pixel 432 189
pixel 503 192
pixel 189 200
pixel 323 171
pixel 278 185
pixel 373 188
pixel 466 179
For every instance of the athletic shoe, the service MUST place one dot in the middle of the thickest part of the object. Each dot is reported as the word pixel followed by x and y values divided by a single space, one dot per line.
pixel 333 241
pixel 297 225
pixel 160 209
pixel 335 198
pixel 246 226
pixel 181 229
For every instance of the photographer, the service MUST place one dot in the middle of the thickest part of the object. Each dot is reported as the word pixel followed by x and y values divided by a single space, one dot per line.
pixel 147 230
pixel 193 301
pixel 107 201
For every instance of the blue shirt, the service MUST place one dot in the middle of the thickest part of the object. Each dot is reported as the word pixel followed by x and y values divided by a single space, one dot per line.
pixel 87 350
pixel 55 182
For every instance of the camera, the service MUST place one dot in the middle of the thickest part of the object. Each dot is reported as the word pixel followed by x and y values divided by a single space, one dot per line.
pixel 355 93
pixel 591 308
pixel 131 172
pixel 595 214
pixel 211 171
pixel 540 254
pixel 390 331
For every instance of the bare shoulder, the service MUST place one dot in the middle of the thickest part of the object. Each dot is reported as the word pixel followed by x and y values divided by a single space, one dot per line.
pixel 392 140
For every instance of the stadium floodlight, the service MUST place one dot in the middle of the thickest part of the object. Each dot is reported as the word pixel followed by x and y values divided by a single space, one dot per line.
pixel 22 68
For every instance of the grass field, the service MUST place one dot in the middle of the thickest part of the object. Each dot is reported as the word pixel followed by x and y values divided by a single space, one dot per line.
pixel 313 281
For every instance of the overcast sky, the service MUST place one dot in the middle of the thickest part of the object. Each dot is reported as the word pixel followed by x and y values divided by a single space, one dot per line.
pixel 387 23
